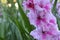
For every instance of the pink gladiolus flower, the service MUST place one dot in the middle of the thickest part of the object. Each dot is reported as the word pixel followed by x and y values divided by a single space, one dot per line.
pixel 28 5
pixel 39 34
pixel 41 17
pixel 32 4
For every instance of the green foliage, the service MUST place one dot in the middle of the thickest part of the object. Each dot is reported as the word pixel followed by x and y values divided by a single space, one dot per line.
pixel 14 26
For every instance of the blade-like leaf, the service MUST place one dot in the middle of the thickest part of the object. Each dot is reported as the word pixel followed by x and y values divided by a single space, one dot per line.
pixel 24 17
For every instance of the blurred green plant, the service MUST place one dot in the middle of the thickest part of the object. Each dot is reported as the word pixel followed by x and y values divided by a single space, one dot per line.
pixel 15 23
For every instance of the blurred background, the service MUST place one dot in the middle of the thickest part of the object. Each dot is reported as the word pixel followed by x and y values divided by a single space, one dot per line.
pixel 14 24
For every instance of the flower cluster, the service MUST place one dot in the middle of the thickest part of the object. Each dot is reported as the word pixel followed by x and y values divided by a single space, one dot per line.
pixel 41 17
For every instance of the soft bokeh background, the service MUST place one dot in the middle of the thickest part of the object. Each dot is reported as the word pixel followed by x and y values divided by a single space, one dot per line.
pixel 14 24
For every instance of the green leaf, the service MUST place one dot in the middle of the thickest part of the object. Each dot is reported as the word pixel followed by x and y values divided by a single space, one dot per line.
pixel 1 28
pixel 21 29
pixel 25 19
